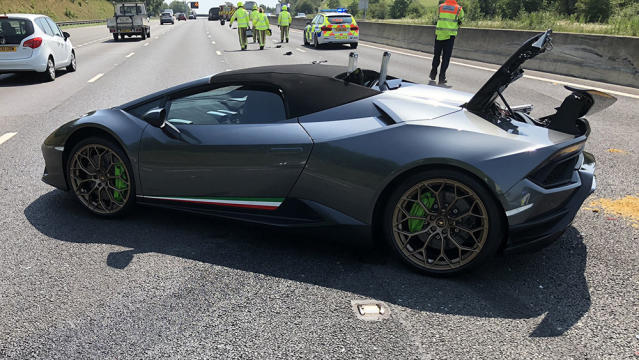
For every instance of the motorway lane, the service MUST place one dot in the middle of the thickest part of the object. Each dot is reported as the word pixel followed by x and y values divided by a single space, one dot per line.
pixel 163 284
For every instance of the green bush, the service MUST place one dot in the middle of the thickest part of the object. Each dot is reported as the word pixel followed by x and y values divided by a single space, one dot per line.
pixel 333 4
pixel 594 10
pixel 353 8
pixel 399 8
pixel 416 10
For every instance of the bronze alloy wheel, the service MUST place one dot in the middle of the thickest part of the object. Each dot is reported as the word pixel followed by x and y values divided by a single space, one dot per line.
pixel 100 179
pixel 440 224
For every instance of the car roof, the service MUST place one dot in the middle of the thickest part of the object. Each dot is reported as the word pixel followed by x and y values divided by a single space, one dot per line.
pixel 23 16
pixel 336 14
pixel 308 88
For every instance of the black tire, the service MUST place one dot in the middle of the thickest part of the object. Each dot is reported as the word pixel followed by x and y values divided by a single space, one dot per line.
pixel 115 37
pixel 49 72
pixel 115 148
pixel 144 35
pixel 222 22
pixel 491 242
pixel 73 65
pixel 354 45
pixel 121 36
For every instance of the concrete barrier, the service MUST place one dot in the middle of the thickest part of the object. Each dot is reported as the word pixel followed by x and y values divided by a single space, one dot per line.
pixel 612 59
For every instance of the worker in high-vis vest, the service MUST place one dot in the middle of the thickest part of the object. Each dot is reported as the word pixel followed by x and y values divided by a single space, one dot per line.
pixel 284 22
pixel 252 16
pixel 449 17
pixel 242 18
pixel 261 26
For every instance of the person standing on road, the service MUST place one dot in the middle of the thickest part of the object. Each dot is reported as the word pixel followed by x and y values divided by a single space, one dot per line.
pixel 449 17
pixel 242 18
pixel 253 16
pixel 284 22
pixel 261 25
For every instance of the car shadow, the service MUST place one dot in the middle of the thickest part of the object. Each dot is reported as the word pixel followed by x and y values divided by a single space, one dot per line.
pixel 550 282
pixel 25 78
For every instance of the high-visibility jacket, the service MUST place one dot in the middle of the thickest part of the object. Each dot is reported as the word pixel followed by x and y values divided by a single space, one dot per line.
pixel 253 16
pixel 284 19
pixel 242 18
pixel 449 15
pixel 261 21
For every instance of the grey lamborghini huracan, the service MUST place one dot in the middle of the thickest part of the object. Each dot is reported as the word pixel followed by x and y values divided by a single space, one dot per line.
pixel 448 179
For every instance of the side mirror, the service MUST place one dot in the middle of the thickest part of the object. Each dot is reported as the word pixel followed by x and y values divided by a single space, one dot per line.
pixel 66 35
pixel 155 117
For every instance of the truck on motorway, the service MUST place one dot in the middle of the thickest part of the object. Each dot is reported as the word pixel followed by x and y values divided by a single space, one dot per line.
pixel 129 19
pixel 214 13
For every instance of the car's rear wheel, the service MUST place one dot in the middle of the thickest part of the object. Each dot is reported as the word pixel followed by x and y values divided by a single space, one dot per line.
pixel 101 177
pixel 49 72
pixel 442 222
pixel 143 34
pixel 73 65
pixel 115 37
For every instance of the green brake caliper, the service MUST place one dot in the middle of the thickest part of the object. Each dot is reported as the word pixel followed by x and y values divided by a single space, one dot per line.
pixel 415 225
pixel 119 183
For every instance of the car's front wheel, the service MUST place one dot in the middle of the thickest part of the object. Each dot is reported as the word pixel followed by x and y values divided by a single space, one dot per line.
pixel 73 65
pixel 442 222
pixel 101 177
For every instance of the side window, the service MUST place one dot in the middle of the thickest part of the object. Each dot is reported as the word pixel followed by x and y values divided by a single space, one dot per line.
pixel 54 27
pixel 140 110
pixel 42 24
pixel 229 105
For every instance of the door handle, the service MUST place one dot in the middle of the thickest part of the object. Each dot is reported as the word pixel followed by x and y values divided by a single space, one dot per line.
pixel 287 149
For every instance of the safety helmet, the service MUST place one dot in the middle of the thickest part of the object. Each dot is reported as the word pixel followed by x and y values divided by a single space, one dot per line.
pixel 284 7
pixel 240 4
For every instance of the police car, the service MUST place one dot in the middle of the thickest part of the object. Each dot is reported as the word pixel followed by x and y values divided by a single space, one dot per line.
pixel 332 26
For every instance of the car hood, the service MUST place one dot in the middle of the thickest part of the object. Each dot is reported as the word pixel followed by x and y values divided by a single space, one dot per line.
pixel 509 72
pixel 412 102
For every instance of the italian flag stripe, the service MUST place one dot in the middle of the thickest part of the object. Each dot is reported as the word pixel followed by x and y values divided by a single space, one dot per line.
pixel 251 203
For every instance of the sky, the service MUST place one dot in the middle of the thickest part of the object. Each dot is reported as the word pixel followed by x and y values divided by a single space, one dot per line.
pixel 205 5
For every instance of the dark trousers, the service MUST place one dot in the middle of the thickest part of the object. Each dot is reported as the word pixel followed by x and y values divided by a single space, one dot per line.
pixel 444 47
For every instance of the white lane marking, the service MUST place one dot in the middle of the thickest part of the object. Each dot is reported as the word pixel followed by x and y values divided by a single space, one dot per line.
pixel 131 54
pixel 300 50
pixel 213 42
pixel 229 69
pixel 6 137
pixel 95 78
pixel 531 77
pixel 147 44
pixel 218 52
pixel 94 41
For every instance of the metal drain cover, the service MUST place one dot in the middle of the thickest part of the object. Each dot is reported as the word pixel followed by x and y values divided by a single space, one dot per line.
pixel 370 310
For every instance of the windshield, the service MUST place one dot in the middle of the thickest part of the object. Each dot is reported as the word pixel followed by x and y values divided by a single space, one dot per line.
pixel 340 19
pixel 13 31
pixel 130 10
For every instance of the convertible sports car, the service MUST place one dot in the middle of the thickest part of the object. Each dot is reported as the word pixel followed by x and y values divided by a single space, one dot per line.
pixel 448 179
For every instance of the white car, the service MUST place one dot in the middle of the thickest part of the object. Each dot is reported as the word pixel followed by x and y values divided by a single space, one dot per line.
pixel 31 42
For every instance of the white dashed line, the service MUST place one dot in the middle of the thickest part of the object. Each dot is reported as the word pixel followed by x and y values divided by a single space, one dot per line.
pixel 213 42
pixel 131 54
pixel 218 52
pixel 147 44
pixel 6 137
pixel 95 78
pixel 300 50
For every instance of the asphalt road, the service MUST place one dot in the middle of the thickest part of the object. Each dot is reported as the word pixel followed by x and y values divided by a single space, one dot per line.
pixel 161 284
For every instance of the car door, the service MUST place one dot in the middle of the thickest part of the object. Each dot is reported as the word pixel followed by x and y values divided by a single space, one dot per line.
pixel 235 145
pixel 62 53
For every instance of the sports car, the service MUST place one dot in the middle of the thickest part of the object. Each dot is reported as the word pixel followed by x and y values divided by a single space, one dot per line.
pixel 447 179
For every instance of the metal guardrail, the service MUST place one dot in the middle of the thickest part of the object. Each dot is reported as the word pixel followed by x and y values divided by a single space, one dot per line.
pixel 80 22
